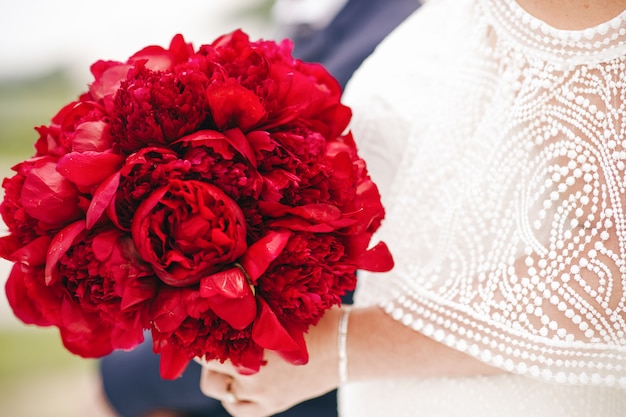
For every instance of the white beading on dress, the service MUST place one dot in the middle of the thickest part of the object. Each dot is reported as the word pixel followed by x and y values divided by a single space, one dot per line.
pixel 499 146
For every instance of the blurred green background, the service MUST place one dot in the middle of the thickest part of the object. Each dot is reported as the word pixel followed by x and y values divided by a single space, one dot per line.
pixel 29 102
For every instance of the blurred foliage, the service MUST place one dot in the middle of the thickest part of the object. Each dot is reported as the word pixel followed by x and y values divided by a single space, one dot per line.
pixel 258 10
pixel 39 377
pixel 29 102
pixel 29 351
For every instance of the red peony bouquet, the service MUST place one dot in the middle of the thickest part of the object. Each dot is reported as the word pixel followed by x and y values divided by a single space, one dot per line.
pixel 210 195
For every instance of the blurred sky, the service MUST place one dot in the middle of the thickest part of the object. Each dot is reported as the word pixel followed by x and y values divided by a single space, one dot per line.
pixel 37 35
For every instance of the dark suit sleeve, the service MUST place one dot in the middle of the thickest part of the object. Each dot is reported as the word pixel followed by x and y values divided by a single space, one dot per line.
pixel 352 35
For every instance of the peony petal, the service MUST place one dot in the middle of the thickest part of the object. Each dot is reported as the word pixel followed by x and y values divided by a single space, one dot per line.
pixel 259 256
pixel 60 244
pixel 201 137
pixel 157 58
pixel 319 213
pixel 169 309
pixel 299 356
pixel 104 243
pixel 129 334
pixel 90 168
pixel 141 290
pixel 21 301
pixel 173 361
pixel 357 244
pixel 102 198
pixel 376 259
pixel 238 312
pixel 250 361
pixel 240 142
pixel 298 224
pixel 91 136
pixel 268 332
pixel 213 138
pixel 180 49
pixel 233 105
pixel 271 190
pixel 275 182
pixel 230 297
pixel 108 82
pixel 260 140
pixel 48 196
pixel 8 246
pixel 141 223
pixel 371 211
pixel 34 254
pixel 83 333
pixel 230 283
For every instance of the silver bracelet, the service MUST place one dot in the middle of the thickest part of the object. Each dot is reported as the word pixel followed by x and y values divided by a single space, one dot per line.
pixel 342 337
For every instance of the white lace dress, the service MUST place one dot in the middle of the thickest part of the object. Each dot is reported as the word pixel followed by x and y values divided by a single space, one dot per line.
pixel 499 144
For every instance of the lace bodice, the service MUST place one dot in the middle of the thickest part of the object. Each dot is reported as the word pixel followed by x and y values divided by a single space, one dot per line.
pixel 500 150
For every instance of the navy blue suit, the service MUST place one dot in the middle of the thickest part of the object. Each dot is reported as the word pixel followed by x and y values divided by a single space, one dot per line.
pixel 131 380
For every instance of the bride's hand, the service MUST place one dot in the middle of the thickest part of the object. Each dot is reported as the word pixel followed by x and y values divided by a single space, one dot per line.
pixel 279 385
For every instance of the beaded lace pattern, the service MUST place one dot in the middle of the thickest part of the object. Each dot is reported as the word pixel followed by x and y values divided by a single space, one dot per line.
pixel 503 170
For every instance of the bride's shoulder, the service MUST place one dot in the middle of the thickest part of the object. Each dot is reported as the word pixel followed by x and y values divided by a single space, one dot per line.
pixel 573 14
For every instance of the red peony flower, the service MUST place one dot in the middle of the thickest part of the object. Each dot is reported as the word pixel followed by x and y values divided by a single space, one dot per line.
pixel 185 327
pixel 29 296
pixel 24 228
pixel 93 287
pixel 39 197
pixel 106 287
pixel 108 75
pixel 188 229
pixel 154 108
pixel 308 278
